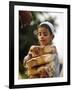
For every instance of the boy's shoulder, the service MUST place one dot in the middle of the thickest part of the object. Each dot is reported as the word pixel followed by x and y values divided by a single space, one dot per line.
pixel 50 48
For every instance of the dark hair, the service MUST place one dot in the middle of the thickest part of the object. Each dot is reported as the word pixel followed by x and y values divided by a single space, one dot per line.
pixel 46 26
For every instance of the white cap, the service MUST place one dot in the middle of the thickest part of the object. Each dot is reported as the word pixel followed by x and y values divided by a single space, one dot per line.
pixel 49 24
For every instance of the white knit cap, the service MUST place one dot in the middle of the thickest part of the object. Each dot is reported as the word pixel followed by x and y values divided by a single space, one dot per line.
pixel 49 24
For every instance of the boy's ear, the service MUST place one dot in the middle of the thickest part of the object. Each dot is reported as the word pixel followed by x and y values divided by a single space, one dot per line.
pixel 52 37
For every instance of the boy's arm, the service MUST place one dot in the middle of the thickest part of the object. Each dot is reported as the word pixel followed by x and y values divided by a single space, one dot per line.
pixel 50 49
pixel 26 58
pixel 53 67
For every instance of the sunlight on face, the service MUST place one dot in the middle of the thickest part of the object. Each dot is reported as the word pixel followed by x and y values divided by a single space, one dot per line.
pixel 44 36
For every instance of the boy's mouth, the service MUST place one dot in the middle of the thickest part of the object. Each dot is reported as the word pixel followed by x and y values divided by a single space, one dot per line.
pixel 42 40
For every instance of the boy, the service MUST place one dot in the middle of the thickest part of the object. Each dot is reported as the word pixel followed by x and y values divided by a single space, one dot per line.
pixel 51 64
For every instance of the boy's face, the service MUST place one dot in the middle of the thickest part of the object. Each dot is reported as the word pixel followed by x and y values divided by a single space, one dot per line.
pixel 44 36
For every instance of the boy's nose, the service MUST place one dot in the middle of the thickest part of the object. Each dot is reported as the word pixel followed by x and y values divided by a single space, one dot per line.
pixel 42 37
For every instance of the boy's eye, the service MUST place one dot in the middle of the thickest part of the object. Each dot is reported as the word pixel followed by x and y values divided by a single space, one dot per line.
pixel 44 34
